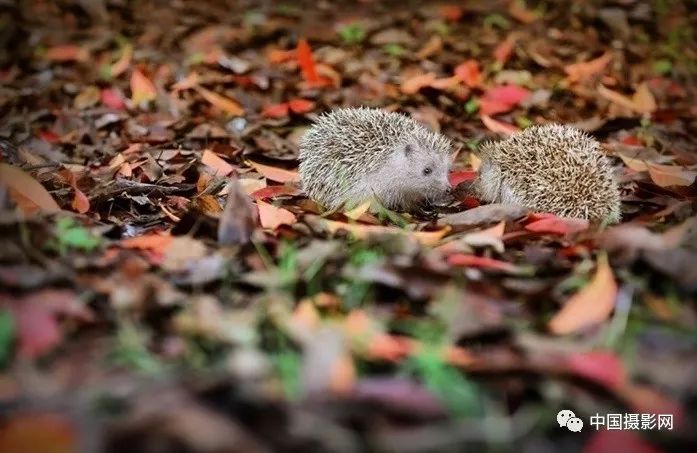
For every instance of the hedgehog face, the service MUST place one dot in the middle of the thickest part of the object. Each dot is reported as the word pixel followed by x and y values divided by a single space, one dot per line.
pixel 424 173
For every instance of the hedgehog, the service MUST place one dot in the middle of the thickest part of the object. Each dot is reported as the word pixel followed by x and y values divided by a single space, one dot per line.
pixel 550 168
pixel 352 154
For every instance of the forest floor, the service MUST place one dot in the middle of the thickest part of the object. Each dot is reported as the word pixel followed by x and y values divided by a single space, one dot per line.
pixel 166 285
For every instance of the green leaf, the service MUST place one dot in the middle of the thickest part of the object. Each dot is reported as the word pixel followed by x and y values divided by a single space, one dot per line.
pixel 71 235
pixel 394 50
pixel 352 33
pixel 662 67
pixel 7 332
pixel 471 106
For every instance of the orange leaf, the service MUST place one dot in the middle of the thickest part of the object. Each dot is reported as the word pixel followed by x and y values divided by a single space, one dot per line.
pixel 124 61
pixel 80 202
pixel 579 72
pixel 221 102
pixel 591 305
pixel 482 262
pixel 154 242
pixel 26 191
pixel 276 110
pixel 518 10
pixel 65 53
pixel 670 175
pixel 300 105
pixel 557 225
pixel 361 231
pixel 275 174
pixel 504 50
pixel 210 159
pixel 276 56
pixel 342 374
pixel 142 88
pixel 38 433
pixel 307 62
pixel 272 217
pixel 498 126
pixel 452 13
pixel 469 73
pixel 413 84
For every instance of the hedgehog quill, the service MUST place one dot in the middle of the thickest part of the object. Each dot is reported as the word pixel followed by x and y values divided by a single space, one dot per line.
pixel 550 168
pixel 352 154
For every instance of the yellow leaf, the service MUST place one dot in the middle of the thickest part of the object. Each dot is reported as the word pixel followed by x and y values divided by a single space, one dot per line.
pixel 358 211
pixel 591 305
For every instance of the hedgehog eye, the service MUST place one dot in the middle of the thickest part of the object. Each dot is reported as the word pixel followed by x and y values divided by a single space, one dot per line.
pixel 427 171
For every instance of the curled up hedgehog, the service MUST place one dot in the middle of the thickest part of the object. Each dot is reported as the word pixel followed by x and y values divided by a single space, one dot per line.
pixel 352 154
pixel 550 168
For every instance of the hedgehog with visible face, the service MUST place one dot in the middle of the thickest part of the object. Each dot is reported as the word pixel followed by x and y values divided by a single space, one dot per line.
pixel 550 168
pixel 352 154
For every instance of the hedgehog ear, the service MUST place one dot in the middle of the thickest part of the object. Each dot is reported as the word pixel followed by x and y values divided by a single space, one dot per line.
pixel 408 150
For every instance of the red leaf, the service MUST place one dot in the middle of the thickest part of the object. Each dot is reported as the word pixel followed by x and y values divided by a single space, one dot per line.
pixel 557 225
pixel 502 99
pixel 469 73
pixel 300 105
pixel 604 368
pixel 274 191
pixel 112 98
pixel 37 329
pixel 456 177
pixel 605 441
pixel 307 62
pixel 461 259
pixel 48 135
pixel 276 110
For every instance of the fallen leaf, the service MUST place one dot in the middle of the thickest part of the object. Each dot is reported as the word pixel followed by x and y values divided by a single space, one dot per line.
pixel 501 99
pixel 604 368
pixel 112 98
pixel 452 13
pixel 154 241
pixel 518 11
pixel 361 231
pixel 634 164
pixel 211 159
pixel 38 432
pixel 641 102
pixel 591 305
pixel 272 217
pixel 558 225
pixel 276 110
pixel 504 50
pixel 483 215
pixel 498 126
pixel 80 202
pixel 274 191
pixel 413 84
pixel 469 73
pixel 142 88
pixel 307 62
pixel 300 105
pixel 580 72
pixel 66 53
pixel 670 175
pixel 239 218
pixel 481 262
pixel 457 177
pixel 26 191
pixel 187 83
pixel 37 329
pixel 221 102
pixel 358 211
pixel 122 64
pixel 274 173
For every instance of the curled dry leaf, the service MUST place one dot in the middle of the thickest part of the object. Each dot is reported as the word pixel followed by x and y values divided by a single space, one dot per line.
pixel 29 195
pixel 641 102
pixel 221 102
pixel 557 225
pixel 482 262
pixel 580 72
pixel 272 217
pixel 239 217
pixel 274 191
pixel 591 305
pixel 670 175
pixel 80 202
pixel 307 62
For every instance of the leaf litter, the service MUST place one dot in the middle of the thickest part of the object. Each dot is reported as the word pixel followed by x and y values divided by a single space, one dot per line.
pixel 160 257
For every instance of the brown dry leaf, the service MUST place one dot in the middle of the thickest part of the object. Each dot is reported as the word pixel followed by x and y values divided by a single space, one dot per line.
pixel 181 252
pixel 432 47
pixel 498 127
pixel 26 191
pixel 412 85
pixel 210 159
pixel 634 164
pixel 221 102
pixel 591 305
pixel 272 217
pixel 670 175
pixel 80 202
pixel 121 65
pixel 274 173
pixel 641 102
pixel 239 217
pixel 579 72
pixel 361 231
